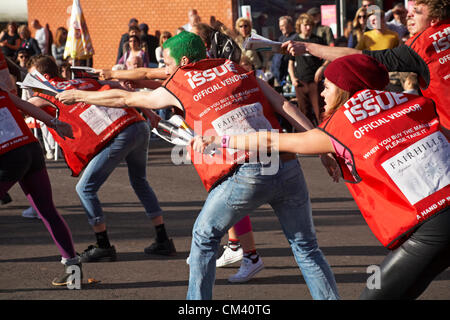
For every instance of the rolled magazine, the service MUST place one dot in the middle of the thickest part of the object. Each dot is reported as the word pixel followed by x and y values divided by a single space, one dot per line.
pixel 259 43
pixel 176 131
pixel 38 83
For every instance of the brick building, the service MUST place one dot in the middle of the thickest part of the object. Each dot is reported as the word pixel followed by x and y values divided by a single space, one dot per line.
pixel 108 20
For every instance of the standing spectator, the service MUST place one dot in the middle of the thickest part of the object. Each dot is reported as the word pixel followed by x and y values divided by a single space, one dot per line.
pixel 193 18
pixel 411 84
pixel 27 42
pixel 22 59
pixel 243 27
pixel 359 27
pixel 319 30
pixel 380 37
pixel 59 45
pixel 343 40
pixel 40 35
pixel 398 24
pixel 49 37
pixel 10 40
pixel 158 51
pixel 280 62
pixel 303 69
pixel 124 39
pixel 367 3
pixel 149 44
pixel 132 31
pixel 133 51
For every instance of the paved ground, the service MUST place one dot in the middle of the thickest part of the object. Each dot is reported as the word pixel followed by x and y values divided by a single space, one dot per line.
pixel 29 259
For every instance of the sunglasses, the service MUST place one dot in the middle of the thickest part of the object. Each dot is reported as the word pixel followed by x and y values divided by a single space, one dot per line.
pixel 22 56
pixel 362 17
pixel 244 26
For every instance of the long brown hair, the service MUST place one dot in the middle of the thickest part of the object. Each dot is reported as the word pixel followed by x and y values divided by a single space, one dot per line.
pixel 61 36
pixel 341 97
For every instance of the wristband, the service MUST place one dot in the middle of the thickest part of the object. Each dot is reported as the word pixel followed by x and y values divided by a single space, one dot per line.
pixel 225 141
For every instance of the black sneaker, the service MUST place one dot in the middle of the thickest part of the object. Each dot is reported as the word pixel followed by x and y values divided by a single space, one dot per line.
pixel 94 254
pixel 64 279
pixel 165 248
pixel 6 199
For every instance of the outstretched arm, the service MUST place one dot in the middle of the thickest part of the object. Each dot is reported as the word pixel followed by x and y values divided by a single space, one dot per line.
pixel 133 74
pixel 116 98
pixel 62 128
pixel 313 141
pixel 297 48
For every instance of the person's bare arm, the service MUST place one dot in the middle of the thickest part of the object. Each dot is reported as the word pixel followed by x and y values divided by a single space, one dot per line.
pixel 133 74
pixel 310 142
pixel 291 71
pixel 297 48
pixel 62 128
pixel 286 109
pixel 116 98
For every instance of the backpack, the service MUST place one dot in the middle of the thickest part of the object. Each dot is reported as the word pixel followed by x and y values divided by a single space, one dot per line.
pixel 222 46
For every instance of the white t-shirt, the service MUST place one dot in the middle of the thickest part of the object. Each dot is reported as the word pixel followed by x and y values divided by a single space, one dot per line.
pixel 40 38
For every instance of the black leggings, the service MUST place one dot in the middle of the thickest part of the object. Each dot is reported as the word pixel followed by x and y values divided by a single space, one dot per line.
pixel 26 165
pixel 408 270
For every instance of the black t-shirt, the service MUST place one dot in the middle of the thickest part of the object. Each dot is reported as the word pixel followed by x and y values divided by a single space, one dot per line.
pixel 307 64
pixel 151 43
pixel 12 41
pixel 403 59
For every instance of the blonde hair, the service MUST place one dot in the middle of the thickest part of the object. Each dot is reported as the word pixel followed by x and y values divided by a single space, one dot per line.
pixel 356 24
pixel 242 19
pixel 164 34
pixel 23 28
pixel 304 18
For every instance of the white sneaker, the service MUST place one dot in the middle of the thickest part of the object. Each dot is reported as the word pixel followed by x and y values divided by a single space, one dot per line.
pixel 49 155
pixel 247 270
pixel 230 256
pixel 30 213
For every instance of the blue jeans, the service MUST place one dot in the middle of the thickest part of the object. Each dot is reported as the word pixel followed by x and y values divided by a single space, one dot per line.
pixel 130 145
pixel 246 190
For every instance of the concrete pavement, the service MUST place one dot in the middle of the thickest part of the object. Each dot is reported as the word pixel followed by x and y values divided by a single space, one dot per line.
pixel 29 259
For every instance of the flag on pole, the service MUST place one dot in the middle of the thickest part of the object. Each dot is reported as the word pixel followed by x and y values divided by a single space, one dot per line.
pixel 78 44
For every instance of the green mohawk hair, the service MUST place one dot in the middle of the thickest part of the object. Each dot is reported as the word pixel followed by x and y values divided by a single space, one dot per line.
pixel 186 44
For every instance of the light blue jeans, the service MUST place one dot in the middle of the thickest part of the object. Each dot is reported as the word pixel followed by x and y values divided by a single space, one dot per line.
pixel 130 145
pixel 246 190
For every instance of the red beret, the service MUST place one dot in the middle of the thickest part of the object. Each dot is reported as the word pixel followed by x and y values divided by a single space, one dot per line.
pixel 357 72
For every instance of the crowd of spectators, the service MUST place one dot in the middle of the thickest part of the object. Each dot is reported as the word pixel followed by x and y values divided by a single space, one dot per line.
pixel 298 78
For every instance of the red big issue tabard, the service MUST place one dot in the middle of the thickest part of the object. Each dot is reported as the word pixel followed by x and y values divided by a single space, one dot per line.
pixel 400 175
pixel 14 131
pixel 93 126
pixel 433 46
pixel 220 98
